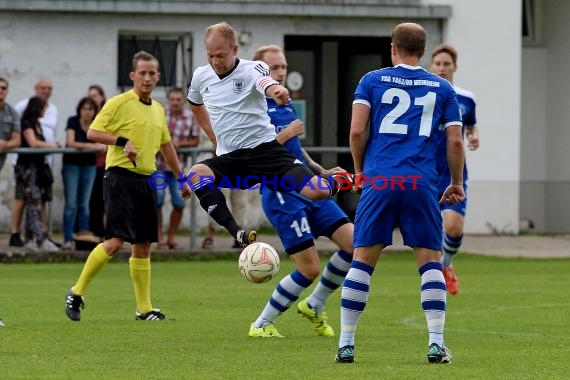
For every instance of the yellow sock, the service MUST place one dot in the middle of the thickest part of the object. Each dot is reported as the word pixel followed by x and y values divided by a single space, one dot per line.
pixel 140 275
pixel 96 260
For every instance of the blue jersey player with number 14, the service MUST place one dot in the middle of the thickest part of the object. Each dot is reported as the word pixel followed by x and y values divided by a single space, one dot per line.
pixel 298 221
pixel 404 106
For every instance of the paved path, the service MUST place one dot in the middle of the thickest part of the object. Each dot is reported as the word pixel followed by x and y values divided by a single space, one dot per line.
pixel 520 246
pixel 503 246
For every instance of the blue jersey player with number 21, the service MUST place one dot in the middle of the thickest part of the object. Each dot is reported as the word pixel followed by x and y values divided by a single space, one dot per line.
pixel 404 106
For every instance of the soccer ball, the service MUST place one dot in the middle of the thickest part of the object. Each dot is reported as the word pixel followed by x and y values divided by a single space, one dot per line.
pixel 258 262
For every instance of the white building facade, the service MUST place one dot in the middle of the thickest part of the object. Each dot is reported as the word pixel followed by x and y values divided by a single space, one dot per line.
pixel 518 173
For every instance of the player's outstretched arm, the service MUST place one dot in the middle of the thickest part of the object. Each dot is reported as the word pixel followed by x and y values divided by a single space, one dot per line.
pixel 295 128
pixel 453 194
pixel 359 135
pixel 472 134
pixel 312 164
pixel 319 169
pixel 110 139
pixel 168 152
pixel 101 137
pixel 455 153
pixel 455 159
pixel 203 118
pixel 279 93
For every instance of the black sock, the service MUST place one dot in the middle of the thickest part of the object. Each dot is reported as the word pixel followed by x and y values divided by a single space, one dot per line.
pixel 214 203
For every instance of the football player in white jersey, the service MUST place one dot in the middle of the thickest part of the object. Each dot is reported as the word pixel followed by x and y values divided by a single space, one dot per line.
pixel 444 64
pixel 227 97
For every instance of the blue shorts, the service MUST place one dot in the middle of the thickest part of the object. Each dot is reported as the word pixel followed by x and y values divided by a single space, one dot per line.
pixel 299 220
pixel 459 207
pixel 415 211
pixel 174 189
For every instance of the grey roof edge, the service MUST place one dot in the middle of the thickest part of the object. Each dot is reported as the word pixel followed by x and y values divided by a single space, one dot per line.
pixel 229 9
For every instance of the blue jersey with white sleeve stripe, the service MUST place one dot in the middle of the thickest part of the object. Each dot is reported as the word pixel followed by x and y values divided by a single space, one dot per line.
pixel 281 116
pixel 467 105
pixel 407 106
pixel 298 220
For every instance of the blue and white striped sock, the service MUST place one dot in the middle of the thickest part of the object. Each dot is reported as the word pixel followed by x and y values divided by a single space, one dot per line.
pixel 283 296
pixel 354 297
pixel 433 298
pixel 450 248
pixel 332 277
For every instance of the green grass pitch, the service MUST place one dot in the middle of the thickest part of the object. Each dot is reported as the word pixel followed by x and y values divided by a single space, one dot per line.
pixel 511 321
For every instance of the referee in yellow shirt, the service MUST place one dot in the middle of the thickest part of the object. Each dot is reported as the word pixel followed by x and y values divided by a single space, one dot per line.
pixel 133 125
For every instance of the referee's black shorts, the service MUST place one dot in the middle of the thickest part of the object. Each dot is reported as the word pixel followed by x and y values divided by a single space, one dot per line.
pixel 268 163
pixel 130 207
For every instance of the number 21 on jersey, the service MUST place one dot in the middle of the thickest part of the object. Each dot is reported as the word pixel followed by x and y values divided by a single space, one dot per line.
pixel 403 102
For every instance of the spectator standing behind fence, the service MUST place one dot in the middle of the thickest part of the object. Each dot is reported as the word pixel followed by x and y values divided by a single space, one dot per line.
pixel 9 124
pixel 34 176
pixel 48 122
pixel 185 133
pixel 78 171
pixel 9 129
pixel 96 205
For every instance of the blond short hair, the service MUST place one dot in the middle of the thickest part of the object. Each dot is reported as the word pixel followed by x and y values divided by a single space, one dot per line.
pixel 224 29
pixel 260 52
pixel 445 48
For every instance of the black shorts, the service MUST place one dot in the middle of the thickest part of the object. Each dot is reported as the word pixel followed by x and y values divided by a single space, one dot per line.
pixel 268 164
pixel 130 207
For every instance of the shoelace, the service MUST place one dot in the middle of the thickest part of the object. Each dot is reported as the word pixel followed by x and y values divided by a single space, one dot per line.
pixel 319 318
pixel 75 302
pixel 346 352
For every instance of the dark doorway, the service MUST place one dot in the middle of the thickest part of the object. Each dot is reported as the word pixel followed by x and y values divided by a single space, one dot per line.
pixel 330 68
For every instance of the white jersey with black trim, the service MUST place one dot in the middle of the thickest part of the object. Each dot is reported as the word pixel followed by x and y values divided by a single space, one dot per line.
pixel 236 104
